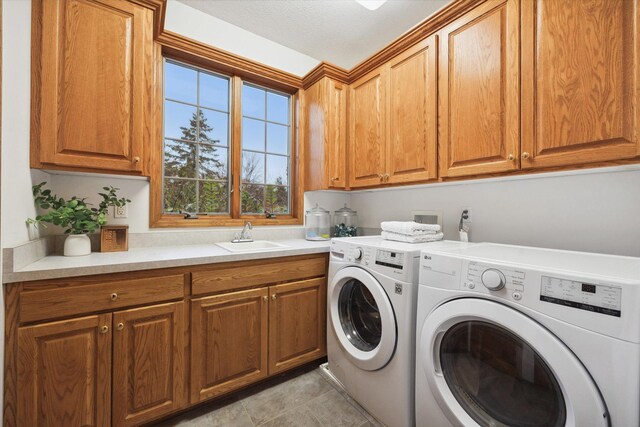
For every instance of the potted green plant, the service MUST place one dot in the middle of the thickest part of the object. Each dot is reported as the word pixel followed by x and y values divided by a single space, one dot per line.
pixel 75 215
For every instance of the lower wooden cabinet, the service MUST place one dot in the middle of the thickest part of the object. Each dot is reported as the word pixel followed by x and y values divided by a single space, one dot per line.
pixel 148 363
pixel 297 325
pixel 228 342
pixel 64 373
pixel 146 358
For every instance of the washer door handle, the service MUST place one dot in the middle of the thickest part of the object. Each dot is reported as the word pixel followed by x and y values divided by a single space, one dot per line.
pixel 436 353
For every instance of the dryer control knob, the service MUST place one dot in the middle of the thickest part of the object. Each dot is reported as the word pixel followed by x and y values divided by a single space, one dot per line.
pixel 357 253
pixel 493 279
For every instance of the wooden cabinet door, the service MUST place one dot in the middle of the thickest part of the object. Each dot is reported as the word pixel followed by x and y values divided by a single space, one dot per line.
pixel 337 133
pixel 580 81
pixel 92 84
pixel 297 323
pixel 64 373
pixel 367 130
pixel 228 342
pixel 148 363
pixel 412 114
pixel 479 111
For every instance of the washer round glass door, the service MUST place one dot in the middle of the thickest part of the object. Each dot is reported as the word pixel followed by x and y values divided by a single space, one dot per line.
pixel 362 318
pixel 490 365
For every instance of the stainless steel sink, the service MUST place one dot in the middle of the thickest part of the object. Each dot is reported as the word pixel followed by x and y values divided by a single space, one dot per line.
pixel 255 246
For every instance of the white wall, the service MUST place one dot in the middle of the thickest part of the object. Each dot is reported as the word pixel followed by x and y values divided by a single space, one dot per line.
pixel 17 178
pixel 192 23
pixel 594 210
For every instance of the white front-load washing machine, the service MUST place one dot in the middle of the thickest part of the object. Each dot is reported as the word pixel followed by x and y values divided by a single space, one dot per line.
pixel 371 304
pixel 510 335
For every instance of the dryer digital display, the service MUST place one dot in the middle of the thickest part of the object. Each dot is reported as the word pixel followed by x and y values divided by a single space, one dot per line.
pixel 602 299
pixel 390 259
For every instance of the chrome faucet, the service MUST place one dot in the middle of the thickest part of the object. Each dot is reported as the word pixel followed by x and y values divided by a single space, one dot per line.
pixel 245 235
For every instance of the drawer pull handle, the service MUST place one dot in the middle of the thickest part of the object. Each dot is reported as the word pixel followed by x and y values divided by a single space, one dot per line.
pixel 273 297
pixel 104 329
pixel 120 326
pixel 114 296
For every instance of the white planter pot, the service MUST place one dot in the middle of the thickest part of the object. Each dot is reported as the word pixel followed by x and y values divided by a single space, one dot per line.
pixel 77 245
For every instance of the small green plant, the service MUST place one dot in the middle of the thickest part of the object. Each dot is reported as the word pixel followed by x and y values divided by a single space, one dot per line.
pixel 75 215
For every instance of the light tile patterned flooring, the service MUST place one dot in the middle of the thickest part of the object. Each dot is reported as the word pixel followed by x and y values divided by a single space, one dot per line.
pixel 301 398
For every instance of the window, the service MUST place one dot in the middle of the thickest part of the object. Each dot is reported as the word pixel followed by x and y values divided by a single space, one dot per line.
pixel 212 172
pixel 265 150
pixel 196 141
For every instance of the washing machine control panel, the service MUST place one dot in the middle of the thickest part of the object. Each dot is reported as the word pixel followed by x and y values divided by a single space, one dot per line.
pixel 390 259
pixel 593 297
pixel 504 280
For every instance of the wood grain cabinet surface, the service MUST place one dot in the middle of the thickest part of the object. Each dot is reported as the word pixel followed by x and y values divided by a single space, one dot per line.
pixel 325 135
pixel 479 91
pixel 92 84
pixel 580 81
pixel 161 347
pixel 393 113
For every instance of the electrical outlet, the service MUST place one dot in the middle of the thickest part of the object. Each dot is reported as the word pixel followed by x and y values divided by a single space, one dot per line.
pixel 120 211
pixel 469 215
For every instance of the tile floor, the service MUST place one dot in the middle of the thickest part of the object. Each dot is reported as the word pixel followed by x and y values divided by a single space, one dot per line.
pixel 301 398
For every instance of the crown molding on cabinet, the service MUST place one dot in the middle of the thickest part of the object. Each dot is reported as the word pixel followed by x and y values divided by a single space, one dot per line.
pixel 200 53
pixel 325 69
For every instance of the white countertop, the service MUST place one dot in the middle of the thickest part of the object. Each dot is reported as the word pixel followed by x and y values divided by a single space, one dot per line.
pixel 57 266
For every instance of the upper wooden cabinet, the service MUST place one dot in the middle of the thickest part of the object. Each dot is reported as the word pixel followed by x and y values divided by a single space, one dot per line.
pixel 412 131
pixel 367 146
pixel 479 91
pixel 580 81
pixel 325 135
pixel 92 82
pixel 393 130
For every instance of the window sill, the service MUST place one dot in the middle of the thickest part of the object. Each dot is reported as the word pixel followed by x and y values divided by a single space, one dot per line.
pixel 176 221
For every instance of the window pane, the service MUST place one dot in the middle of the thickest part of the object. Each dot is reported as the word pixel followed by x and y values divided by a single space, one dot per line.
pixel 179 195
pixel 277 139
pixel 252 198
pixel 213 162
pixel 214 92
pixel 253 102
pixel 277 199
pixel 179 121
pixel 214 197
pixel 252 135
pixel 252 167
pixel 180 83
pixel 179 159
pixel 214 127
pixel 277 108
pixel 277 170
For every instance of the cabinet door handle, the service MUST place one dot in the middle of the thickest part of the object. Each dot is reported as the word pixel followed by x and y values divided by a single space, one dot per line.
pixel 120 326
pixel 136 159
pixel 335 178
pixel 525 155
pixel 386 177
pixel 381 177
pixel 104 329
pixel 511 157
pixel 114 296
pixel 265 298
pixel 273 297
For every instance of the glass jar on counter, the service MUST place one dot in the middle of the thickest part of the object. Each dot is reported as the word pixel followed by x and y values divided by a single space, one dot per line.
pixel 345 222
pixel 317 224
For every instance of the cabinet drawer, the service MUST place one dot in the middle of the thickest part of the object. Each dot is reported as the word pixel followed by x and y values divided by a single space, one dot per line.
pixel 72 300
pixel 255 273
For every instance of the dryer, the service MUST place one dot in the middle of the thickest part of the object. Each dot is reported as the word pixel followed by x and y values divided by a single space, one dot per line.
pixel 510 335
pixel 371 304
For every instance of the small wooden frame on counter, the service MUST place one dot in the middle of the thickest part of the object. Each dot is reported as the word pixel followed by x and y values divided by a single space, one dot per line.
pixel 114 238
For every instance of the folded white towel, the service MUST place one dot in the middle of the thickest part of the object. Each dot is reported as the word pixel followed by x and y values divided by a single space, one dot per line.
pixel 424 238
pixel 409 228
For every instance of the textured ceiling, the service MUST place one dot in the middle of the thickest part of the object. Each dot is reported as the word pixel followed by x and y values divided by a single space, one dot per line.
pixel 341 32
